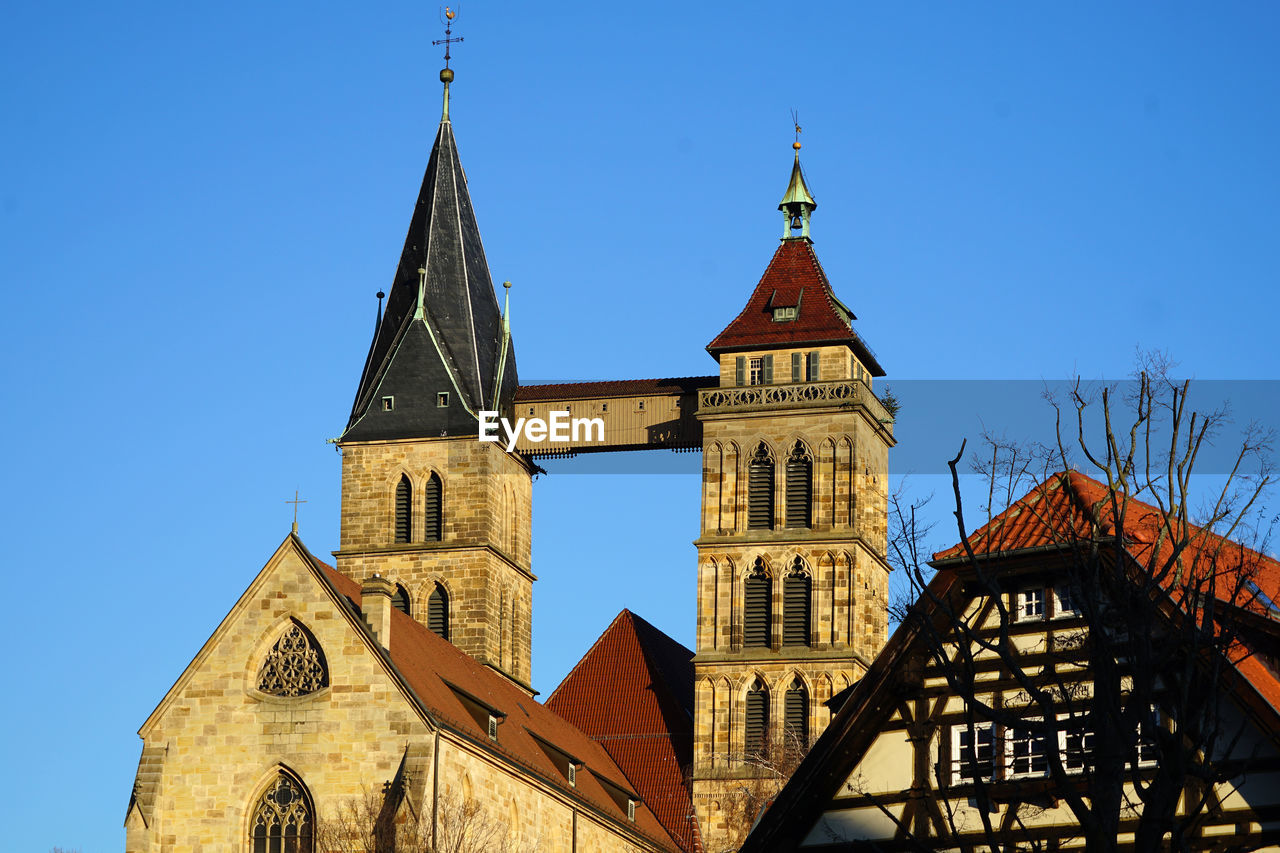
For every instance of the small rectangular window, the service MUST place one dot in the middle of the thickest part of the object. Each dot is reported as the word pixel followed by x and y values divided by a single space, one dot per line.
pixel 1077 747
pixel 388 403
pixel 493 727
pixel 781 315
pixel 1029 605
pixel 631 810
pixel 756 376
pixel 1027 753
pixel 604 407
pixel 639 405
pixel 973 753
pixel 442 399
pixel 1064 602
pixel 573 775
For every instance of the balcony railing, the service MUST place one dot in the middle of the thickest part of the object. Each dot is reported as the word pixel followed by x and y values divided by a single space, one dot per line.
pixel 846 393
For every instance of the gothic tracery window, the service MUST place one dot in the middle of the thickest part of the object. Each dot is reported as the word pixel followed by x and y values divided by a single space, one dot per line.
pixel 796 715
pixel 756 736
pixel 799 487
pixel 760 489
pixel 438 611
pixel 404 509
pixel 433 526
pixel 295 666
pixel 757 599
pixel 796 592
pixel 282 820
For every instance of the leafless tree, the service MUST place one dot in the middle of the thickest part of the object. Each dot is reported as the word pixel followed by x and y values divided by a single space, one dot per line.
pixel 768 770
pixel 384 823
pixel 1166 606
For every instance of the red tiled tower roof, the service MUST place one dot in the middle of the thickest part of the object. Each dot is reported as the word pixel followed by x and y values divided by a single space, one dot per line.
pixel 794 278
pixel 632 692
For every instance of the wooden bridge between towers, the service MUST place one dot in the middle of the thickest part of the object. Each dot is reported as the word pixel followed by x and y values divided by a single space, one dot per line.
pixel 655 414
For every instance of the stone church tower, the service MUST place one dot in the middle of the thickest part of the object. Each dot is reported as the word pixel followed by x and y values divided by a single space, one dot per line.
pixel 441 517
pixel 792 575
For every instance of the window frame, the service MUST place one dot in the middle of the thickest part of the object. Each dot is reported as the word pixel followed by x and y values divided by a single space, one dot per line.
pixel 1022 597
pixel 960 730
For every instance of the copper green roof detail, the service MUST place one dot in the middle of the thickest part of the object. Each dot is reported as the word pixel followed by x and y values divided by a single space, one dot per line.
pixel 797 190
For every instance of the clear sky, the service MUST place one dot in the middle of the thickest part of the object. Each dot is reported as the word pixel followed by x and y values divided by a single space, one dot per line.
pixel 199 202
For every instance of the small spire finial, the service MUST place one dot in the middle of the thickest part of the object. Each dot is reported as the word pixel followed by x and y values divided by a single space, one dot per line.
pixel 446 73
pixel 295 503
pixel 798 204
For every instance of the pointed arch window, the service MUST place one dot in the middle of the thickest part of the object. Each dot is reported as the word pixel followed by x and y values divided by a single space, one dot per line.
pixel 400 600
pixel 283 820
pixel 757 606
pixel 796 714
pixel 404 509
pixel 796 591
pixel 434 528
pixel 760 489
pixel 757 720
pixel 295 666
pixel 799 487
pixel 438 611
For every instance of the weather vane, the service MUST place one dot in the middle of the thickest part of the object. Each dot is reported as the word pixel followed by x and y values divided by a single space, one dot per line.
pixel 448 39
pixel 795 119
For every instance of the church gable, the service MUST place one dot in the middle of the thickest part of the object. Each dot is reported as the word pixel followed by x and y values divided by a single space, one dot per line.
pixel 283 686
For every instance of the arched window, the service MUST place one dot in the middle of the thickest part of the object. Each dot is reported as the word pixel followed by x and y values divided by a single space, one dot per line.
pixel 438 611
pixel 796 715
pixel 760 490
pixel 799 487
pixel 282 820
pixel 404 509
pixel 795 605
pixel 434 529
pixel 757 720
pixel 400 601
pixel 295 666
pixel 757 606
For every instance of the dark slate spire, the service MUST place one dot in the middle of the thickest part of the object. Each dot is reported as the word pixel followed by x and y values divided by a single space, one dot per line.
pixel 442 331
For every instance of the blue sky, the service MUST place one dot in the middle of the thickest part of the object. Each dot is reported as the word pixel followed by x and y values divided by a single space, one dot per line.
pixel 198 204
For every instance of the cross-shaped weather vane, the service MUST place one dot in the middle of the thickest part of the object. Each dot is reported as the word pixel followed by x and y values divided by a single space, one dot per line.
pixel 448 39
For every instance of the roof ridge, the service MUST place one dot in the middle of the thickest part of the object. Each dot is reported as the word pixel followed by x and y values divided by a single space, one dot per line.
pixel 582 660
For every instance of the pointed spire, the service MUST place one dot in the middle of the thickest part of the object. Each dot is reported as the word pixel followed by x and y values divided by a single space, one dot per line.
pixel 798 204
pixel 442 351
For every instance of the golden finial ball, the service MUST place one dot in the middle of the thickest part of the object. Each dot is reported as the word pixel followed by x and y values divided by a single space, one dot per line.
pixel 795 145
pixel 446 75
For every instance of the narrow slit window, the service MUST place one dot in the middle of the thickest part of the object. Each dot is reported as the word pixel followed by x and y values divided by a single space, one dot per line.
pixel 799 487
pixel 404 505
pixel 757 720
pixel 796 587
pixel 438 612
pixel 442 400
pixel 760 490
pixel 758 610
pixel 388 403
pixel 433 527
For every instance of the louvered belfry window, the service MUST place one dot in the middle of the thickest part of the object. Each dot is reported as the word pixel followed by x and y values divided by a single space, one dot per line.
pixel 438 612
pixel 796 713
pixel 757 720
pixel 404 508
pixel 434 495
pixel 400 601
pixel 758 607
pixel 760 490
pixel 796 588
pixel 799 486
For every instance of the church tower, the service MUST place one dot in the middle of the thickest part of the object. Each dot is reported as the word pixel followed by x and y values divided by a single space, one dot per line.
pixel 792 575
pixel 441 516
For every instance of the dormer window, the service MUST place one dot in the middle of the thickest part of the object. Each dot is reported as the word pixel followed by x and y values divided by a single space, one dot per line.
pixel 573 775
pixel 782 315
pixel 493 727
pixel 631 810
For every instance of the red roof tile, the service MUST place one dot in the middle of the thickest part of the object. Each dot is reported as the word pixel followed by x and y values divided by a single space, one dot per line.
pixel 633 693
pixel 1069 506
pixel 794 278
pixel 615 388
pixel 431 665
